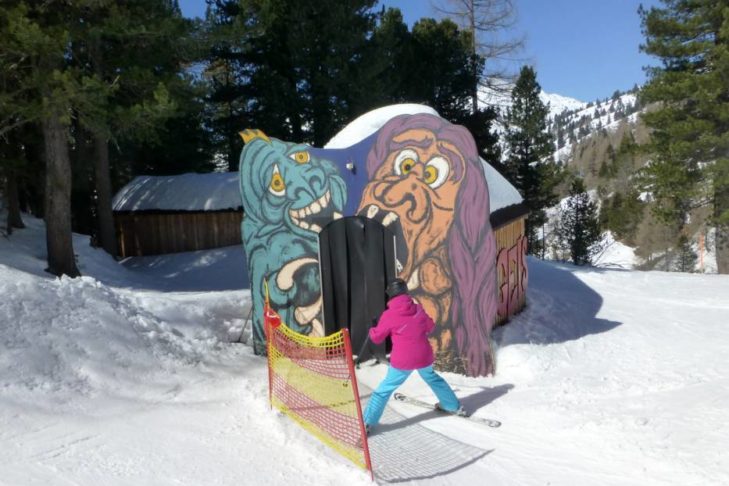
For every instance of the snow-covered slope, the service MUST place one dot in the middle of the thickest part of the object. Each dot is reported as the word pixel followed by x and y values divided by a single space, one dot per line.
pixel 609 377
pixel 559 103
pixel 502 101
pixel 574 124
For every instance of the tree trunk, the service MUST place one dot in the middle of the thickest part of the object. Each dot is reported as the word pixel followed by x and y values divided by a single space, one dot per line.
pixel 107 234
pixel 474 94
pixel 14 219
pixel 59 241
pixel 721 205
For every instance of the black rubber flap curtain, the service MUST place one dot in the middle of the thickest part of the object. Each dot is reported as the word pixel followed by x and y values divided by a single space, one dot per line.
pixel 357 259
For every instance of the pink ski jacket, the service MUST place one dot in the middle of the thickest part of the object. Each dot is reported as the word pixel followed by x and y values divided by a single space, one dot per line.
pixel 408 325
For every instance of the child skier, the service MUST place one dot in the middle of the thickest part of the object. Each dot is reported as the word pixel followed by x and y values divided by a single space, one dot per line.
pixel 407 323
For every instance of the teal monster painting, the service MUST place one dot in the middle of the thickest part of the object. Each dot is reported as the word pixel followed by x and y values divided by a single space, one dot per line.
pixel 289 195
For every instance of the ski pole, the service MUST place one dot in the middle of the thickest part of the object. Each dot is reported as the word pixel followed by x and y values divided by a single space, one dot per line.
pixel 359 355
pixel 364 345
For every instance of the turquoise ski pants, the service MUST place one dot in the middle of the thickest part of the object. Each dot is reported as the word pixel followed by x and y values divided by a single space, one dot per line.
pixel 395 378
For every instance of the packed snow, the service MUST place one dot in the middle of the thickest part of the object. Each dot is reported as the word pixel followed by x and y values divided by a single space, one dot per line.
pixel 126 376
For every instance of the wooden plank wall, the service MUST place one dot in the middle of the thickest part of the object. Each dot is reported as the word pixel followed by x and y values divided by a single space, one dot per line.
pixel 512 295
pixel 142 234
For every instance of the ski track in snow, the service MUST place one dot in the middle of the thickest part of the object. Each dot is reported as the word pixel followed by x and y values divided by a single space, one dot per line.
pixel 608 377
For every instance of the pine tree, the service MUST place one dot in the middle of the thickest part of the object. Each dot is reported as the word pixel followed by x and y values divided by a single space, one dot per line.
pixel 38 37
pixel 622 214
pixel 529 164
pixel 579 229
pixel 686 257
pixel 288 67
pixel 690 132
pixel 111 43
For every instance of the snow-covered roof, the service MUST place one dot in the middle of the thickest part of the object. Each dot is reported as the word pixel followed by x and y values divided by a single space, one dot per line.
pixel 186 192
pixel 219 190
pixel 367 124
pixel 501 193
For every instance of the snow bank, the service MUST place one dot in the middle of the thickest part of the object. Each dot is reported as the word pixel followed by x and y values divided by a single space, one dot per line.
pixel 615 254
pixel 85 337
pixel 106 379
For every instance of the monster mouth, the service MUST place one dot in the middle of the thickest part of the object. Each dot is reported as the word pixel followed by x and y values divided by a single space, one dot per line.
pixel 391 221
pixel 316 215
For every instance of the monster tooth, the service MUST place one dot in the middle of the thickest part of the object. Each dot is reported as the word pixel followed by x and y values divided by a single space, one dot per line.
pixel 372 211
pixel 315 228
pixel 389 219
pixel 324 200
pixel 307 211
pixel 304 225
pixel 328 197
pixel 315 207
pixel 414 280
pixel 336 215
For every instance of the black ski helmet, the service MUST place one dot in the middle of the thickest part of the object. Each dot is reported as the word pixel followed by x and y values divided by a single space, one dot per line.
pixel 396 287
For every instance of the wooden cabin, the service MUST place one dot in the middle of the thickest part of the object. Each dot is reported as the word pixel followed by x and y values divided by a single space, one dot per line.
pixel 155 215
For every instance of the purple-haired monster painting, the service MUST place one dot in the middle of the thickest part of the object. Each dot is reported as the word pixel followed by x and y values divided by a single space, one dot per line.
pixel 425 176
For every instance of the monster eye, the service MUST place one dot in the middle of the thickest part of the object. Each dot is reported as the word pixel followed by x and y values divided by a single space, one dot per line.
pixel 301 157
pixel 277 187
pixel 405 161
pixel 436 172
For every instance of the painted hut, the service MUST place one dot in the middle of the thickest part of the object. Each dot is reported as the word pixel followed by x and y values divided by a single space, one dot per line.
pixel 399 192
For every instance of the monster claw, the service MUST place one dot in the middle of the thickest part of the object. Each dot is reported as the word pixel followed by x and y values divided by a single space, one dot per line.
pixel 285 277
pixel 304 315
pixel 317 328
pixel 252 133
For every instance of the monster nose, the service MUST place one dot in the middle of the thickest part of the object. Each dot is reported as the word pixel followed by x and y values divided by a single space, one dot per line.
pixel 418 170
pixel 415 175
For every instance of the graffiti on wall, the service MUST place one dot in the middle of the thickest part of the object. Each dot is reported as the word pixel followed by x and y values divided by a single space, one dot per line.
pixel 424 181
pixel 513 277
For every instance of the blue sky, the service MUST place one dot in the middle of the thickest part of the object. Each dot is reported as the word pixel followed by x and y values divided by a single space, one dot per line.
pixel 585 49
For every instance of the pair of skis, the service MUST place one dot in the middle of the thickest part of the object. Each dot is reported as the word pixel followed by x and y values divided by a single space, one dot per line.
pixel 419 403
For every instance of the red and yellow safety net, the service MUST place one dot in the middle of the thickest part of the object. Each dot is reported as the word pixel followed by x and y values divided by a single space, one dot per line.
pixel 312 380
